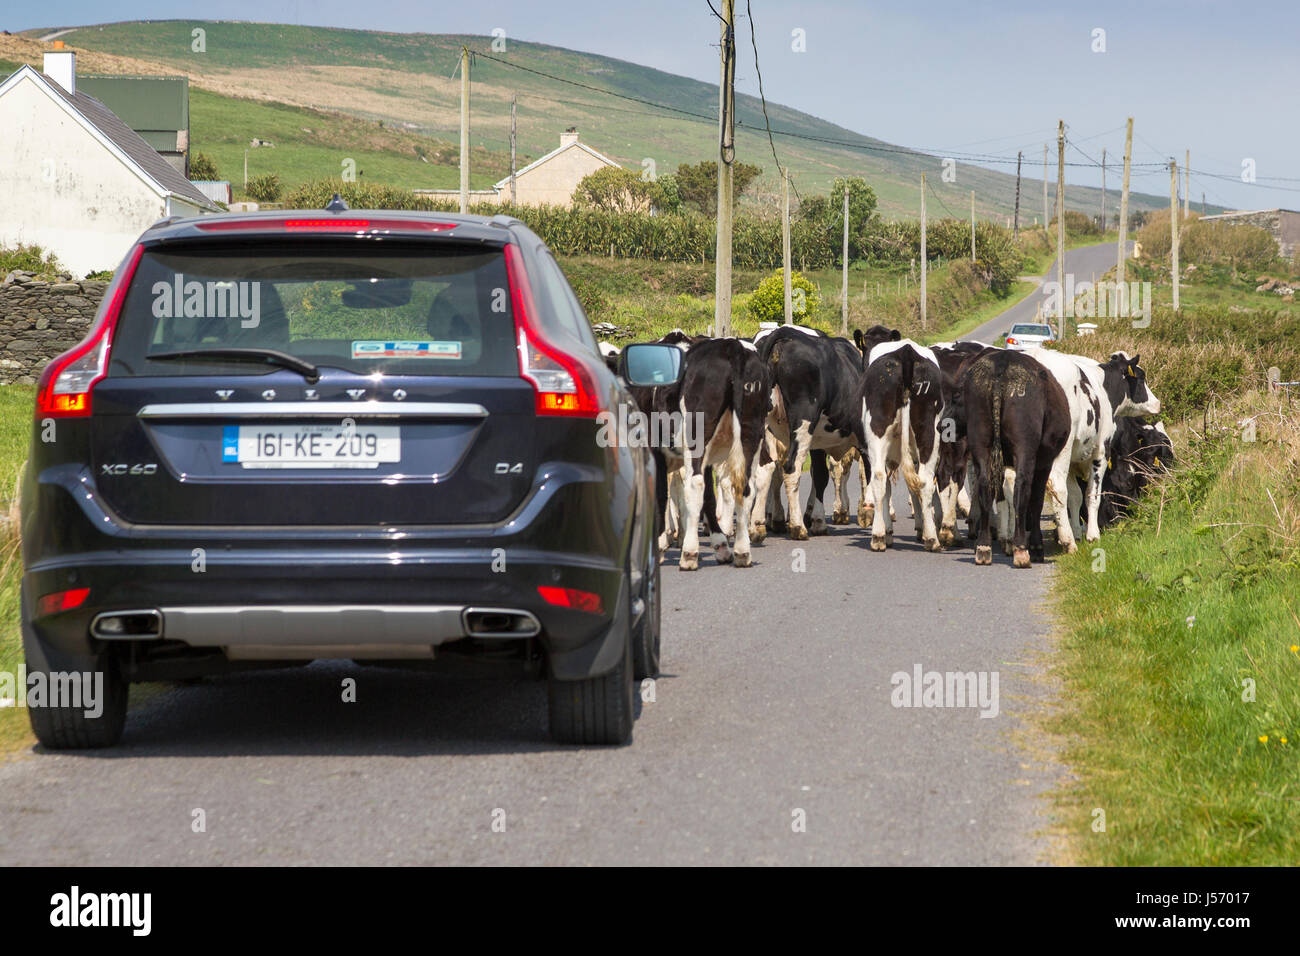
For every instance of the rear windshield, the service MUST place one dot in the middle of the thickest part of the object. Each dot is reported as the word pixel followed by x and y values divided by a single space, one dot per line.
pixel 1031 330
pixel 406 310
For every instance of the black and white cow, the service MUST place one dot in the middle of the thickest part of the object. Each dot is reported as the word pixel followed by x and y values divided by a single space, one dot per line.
pixel 1098 395
pixel 1014 415
pixel 1138 452
pixel 726 385
pixel 898 403
pixel 954 454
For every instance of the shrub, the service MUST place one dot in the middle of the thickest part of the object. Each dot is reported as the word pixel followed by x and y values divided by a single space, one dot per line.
pixel 28 259
pixel 264 188
pixel 614 189
pixel 203 168
pixel 767 304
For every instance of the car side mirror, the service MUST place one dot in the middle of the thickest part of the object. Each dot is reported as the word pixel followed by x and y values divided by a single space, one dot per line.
pixel 650 364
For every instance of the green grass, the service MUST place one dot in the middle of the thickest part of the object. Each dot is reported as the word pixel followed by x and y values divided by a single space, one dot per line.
pixel 646 298
pixel 620 129
pixel 15 434
pixel 1197 595
pixel 313 144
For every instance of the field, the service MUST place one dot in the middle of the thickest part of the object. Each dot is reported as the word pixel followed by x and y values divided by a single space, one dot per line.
pixel 409 79
pixel 1180 631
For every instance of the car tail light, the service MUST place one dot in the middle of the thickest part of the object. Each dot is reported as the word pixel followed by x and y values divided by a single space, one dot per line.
pixel 573 598
pixel 564 385
pixel 65 385
pixel 1011 341
pixel 61 601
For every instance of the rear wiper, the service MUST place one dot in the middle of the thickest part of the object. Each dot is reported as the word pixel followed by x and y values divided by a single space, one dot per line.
pixel 257 356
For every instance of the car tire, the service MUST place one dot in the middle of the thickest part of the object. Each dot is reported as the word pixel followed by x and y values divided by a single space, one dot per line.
pixel 595 710
pixel 645 635
pixel 69 728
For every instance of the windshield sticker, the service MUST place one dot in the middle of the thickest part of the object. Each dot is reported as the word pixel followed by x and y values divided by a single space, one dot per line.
pixel 427 350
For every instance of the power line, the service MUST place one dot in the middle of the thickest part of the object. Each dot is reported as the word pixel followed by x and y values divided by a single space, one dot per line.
pixel 753 40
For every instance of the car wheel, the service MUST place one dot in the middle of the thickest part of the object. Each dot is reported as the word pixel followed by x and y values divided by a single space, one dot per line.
pixel 71 728
pixel 596 710
pixel 645 636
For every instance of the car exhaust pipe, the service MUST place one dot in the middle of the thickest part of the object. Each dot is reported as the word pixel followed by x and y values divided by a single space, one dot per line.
pixel 499 622
pixel 140 625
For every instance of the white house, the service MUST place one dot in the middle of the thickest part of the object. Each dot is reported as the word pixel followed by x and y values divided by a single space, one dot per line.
pixel 549 179
pixel 74 179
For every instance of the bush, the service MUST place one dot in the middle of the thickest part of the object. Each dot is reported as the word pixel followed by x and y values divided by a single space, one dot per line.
pixel 1238 245
pixel 767 304
pixel 1079 224
pixel 203 168
pixel 614 189
pixel 264 188
pixel 28 259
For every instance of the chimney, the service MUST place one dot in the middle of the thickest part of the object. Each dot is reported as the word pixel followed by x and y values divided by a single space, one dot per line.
pixel 61 67
pixel 567 138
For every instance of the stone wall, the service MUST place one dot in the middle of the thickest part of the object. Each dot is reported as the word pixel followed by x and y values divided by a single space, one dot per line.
pixel 1283 224
pixel 39 318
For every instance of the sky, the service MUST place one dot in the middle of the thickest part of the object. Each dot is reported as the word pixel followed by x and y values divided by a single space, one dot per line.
pixel 1217 78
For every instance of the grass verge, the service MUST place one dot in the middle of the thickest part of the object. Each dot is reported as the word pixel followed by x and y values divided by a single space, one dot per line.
pixel 15 433
pixel 1180 658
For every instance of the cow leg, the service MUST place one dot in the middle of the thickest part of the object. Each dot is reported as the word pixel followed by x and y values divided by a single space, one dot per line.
pixel 814 516
pixel 926 476
pixel 841 469
pixel 1096 473
pixel 693 504
pixel 973 497
pixel 709 508
pixel 761 477
pixel 948 509
pixel 726 502
pixel 866 504
pixel 751 452
pixel 1021 495
pixel 1059 486
pixel 1036 493
pixel 1006 511
pixel 799 444
pixel 1074 506
pixel 982 510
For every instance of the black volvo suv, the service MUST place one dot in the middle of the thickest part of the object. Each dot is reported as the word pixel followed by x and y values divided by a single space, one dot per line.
pixel 366 435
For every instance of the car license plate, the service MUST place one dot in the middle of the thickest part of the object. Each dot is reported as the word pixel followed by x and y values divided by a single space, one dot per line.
pixel 311 446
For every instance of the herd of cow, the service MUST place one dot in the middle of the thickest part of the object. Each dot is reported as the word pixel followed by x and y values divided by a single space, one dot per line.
pixel 983 430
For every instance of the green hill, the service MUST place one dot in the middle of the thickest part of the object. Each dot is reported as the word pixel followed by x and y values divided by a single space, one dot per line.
pixel 408 81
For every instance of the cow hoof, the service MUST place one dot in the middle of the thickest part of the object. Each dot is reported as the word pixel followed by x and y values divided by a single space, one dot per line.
pixel 878 542
pixel 798 533
pixel 932 544
pixel 743 560
pixel 723 554
pixel 690 561
pixel 778 525
pixel 757 533
pixel 1020 558
pixel 983 555
pixel 818 526
pixel 865 520
pixel 1007 549
pixel 946 537
pixel 1070 548
pixel 1036 554
pixel 889 539
pixel 840 517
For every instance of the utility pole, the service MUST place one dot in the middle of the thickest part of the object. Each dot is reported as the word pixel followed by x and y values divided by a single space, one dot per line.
pixel 972 225
pixel 785 245
pixel 513 98
pixel 1173 227
pixel 464 129
pixel 1122 261
pixel 1187 182
pixel 1047 216
pixel 844 291
pixel 1103 190
pixel 726 156
pixel 1015 229
pixel 923 259
pixel 1060 221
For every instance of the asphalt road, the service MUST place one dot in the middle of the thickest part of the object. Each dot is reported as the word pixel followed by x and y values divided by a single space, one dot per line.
pixel 772 738
pixel 1087 264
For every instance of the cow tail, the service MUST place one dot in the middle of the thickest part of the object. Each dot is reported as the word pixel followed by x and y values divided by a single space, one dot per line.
pixel 737 464
pixel 995 450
